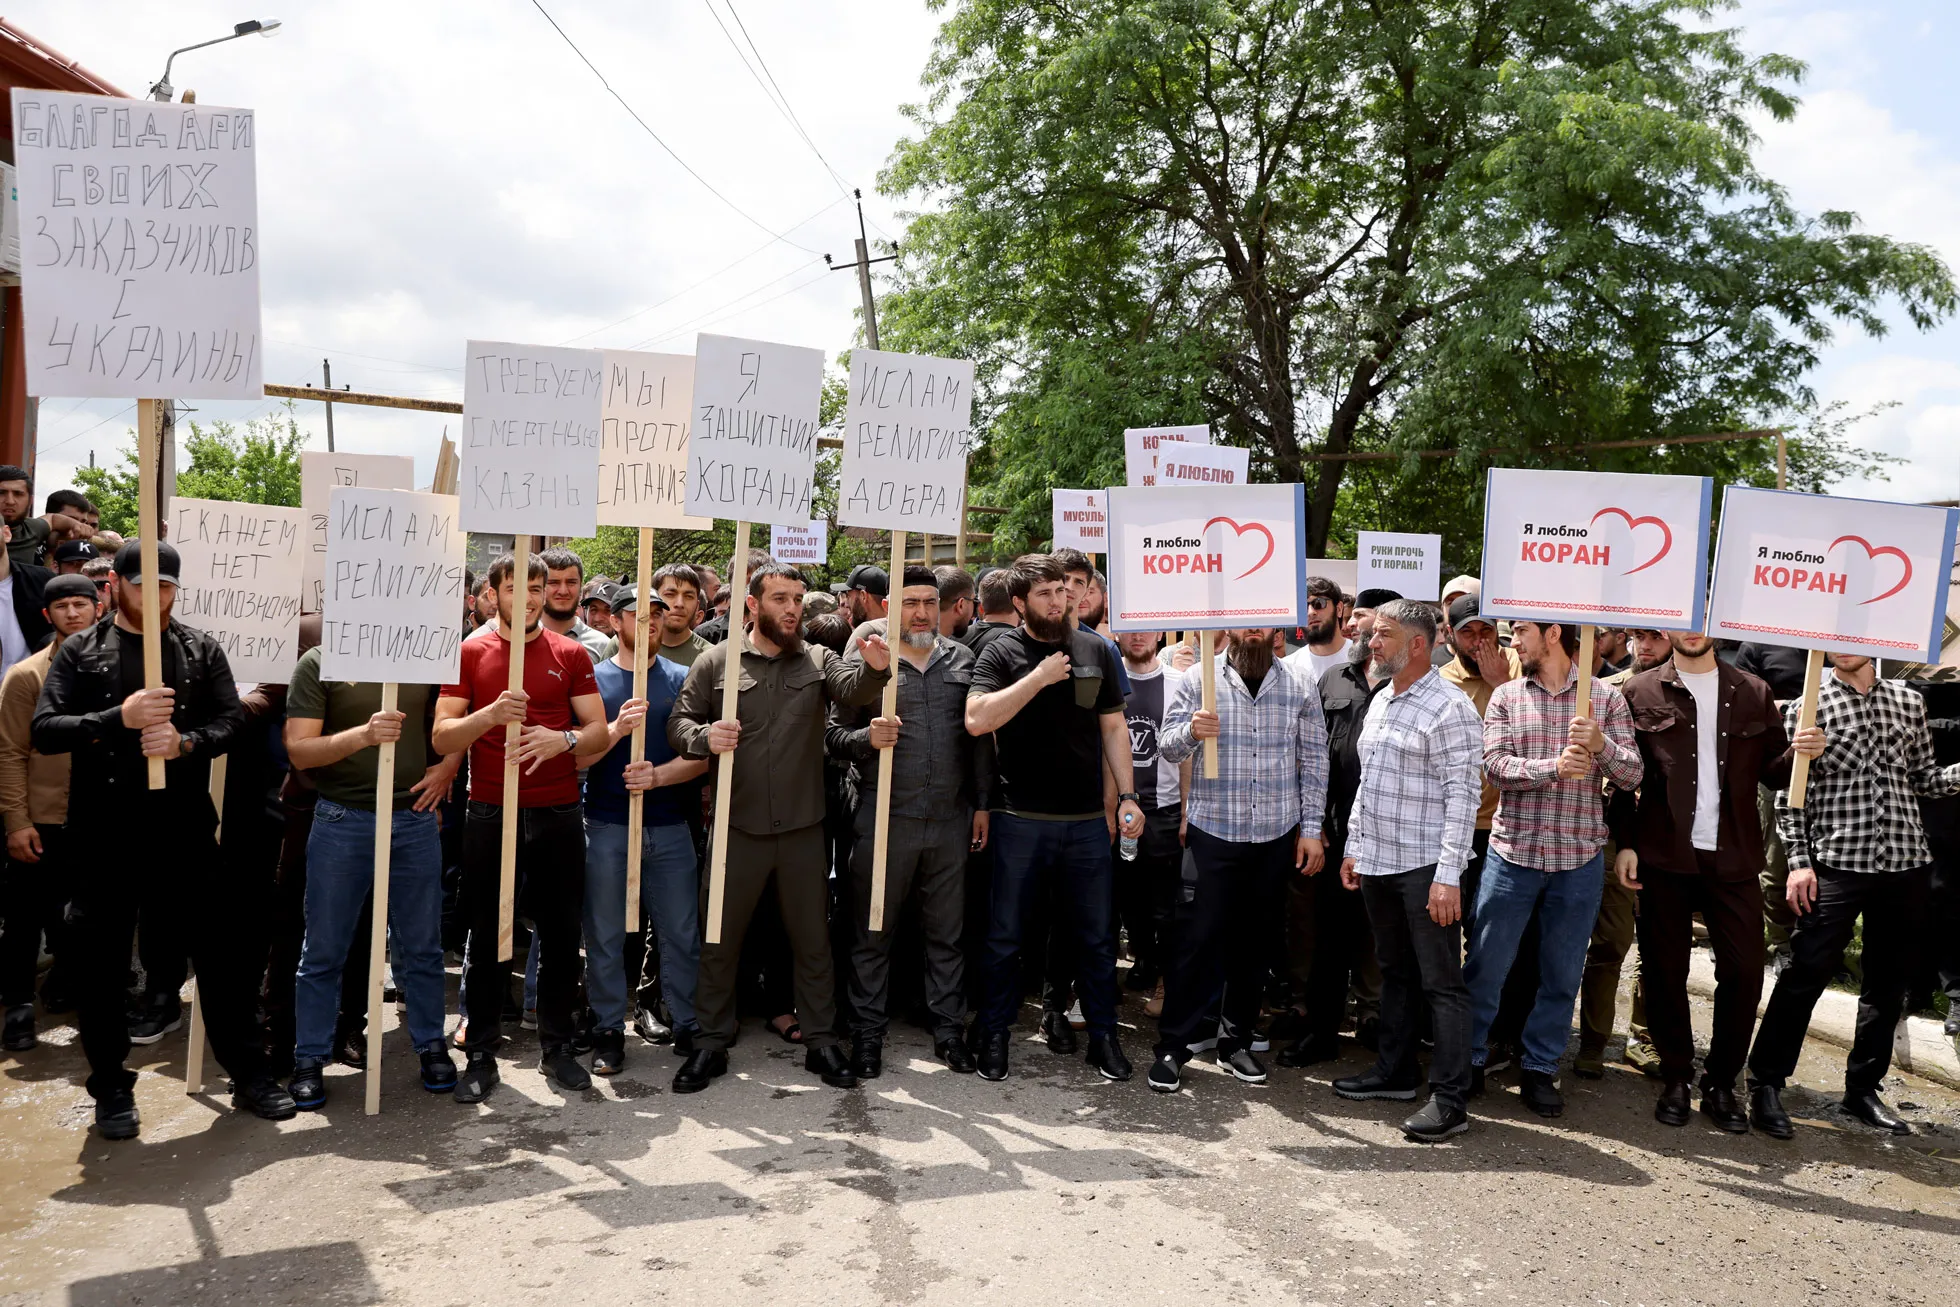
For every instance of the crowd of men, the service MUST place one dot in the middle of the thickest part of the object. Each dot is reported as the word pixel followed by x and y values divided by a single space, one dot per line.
pixel 1418 835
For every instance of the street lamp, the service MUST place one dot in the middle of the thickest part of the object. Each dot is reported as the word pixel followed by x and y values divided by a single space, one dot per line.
pixel 163 90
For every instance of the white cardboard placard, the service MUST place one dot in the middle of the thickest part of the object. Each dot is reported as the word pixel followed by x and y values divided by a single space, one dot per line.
pixel 1204 558
pixel 908 427
pixel 1407 562
pixel 319 473
pixel 752 453
pixel 530 446
pixel 643 428
pixel 801 546
pixel 239 581
pixel 394 588
pixel 1203 465
pixel 140 247
pixel 1081 521
pixel 1341 571
pixel 1141 446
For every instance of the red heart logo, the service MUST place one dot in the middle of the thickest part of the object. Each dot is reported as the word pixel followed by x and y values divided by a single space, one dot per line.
pixel 1249 526
pixel 1870 552
pixel 1667 534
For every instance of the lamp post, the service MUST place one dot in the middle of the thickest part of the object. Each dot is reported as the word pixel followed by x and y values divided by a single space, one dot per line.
pixel 163 90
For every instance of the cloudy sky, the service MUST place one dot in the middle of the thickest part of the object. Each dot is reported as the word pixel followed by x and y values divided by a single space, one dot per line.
pixel 438 170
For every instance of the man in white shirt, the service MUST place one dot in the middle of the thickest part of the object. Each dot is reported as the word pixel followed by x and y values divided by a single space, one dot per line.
pixel 1326 646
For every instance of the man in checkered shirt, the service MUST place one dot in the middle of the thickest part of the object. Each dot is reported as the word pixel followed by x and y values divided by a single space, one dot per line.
pixel 1855 847
pixel 1546 844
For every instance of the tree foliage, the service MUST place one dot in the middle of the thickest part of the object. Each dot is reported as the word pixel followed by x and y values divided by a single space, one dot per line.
pixel 258 464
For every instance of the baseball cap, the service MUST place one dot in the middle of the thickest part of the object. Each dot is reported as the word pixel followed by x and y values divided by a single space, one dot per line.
pixel 1463 609
pixel 626 599
pixel 1463 585
pixel 75 551
pixel 73 585
pixel 870 579
pixel 604 592
pixel 129 562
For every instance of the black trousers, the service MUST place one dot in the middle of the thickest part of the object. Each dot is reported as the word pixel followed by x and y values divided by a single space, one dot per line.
pixel 1228 895
pixel 1422 974
pixel 1893 903
pixel 1733 910
pixel 34 901
pixel 1146 889
pixel 1336 921
pixel 550 894
pixel 162 868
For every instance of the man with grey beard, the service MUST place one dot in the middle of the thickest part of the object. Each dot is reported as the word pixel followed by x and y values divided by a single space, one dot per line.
pixel 940 792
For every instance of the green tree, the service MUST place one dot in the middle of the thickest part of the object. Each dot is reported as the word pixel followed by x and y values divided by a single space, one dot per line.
pixel 1500 227
pixel 258 464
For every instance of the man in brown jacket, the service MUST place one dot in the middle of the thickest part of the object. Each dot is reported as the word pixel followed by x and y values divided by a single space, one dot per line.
pixel 1690 842
pixel 34 804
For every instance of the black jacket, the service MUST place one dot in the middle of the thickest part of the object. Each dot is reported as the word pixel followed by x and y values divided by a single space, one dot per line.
pixel 80 712
pixel 29 582
pixel 1344 696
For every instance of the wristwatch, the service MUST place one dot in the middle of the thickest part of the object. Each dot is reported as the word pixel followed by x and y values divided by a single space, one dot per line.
pixel 571 741
pixel 1130 795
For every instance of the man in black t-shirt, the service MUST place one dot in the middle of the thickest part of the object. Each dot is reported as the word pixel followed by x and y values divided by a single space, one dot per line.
pixel 1147 883
pixel 1049 695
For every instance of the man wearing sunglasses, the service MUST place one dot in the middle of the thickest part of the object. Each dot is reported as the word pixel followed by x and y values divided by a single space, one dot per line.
pixel 1327 645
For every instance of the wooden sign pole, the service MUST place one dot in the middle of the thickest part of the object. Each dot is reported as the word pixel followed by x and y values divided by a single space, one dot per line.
pixel 194 1055
pixel 1813 677
pixel 1585 669
pixel 149 434
pixel 731 693
pixel 882 826
pixel 643 654
pixel 520 548
pixel 1210 698
pixel 384 845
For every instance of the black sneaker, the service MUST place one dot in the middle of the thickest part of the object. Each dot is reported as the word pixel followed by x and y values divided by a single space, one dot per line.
pixel 1166 1076
pixel 560 1065
pixel 308 1088
pixel 1433 1123
pixel 1057 1031
pixel 1373 1084
pixel 648 1026
pixel 156 1021
pixel 1242 1064
pixel 438 1071
pixel 115 1115
pixel 992 1060
pixel 479 1077
pixel 266 1098
pixel 18 1035
pixel 1540 1093
pixel 1106 1055
pixel 954 1053
pixel 608 1052
pixel 351 1048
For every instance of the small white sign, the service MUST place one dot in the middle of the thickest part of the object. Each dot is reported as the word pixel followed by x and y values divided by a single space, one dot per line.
pixel 1198 557
pixel 394 590
pixel 643 430
pixel 1203 465
pixel 801 546
pixel 1341 571
pixel 1409 563
pixel 908 426
pixel 318 474
pixel 1142 446
pixel 1080 521
pixel 752 452
pixel 239 581
pixel 530 447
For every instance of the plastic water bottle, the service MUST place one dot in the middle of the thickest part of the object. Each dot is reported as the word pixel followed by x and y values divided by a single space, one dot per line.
pixel 1127 846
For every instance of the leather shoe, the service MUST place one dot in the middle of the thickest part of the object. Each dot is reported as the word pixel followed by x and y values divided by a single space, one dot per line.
pixel 1106 1055
pixel 115 1115
pixel 1766 1112
pixel 266 1098
pixel 1309 1050
pixel 955 1054
pixel 1057 1031
pixel 1721 1106
pixel 700 1069
pixel 831 1066
pixel 1672 1108
pixel 993 1056
pixel 1867 1106
pixel 1540 1093
pixel 867 1059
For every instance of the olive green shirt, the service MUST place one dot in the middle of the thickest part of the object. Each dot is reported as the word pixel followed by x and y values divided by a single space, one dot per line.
pixel 343 705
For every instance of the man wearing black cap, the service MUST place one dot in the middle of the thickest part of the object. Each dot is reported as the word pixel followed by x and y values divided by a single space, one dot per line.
pixel 865 593
pixel 73 555
pixel 154 852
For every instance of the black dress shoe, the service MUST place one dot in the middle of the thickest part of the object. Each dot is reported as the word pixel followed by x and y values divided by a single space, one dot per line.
pixel 1540 1093
pixel 115 1115
pixel 992 1061
pixel 954 1053
pixel 1867 1106
pixel 1721 1106
pixel 1310 1050
pixel 867 1058
pixel 700 1069
pixel 309 1089
pixel 1106 1055
pixel 1766 1112
pixel 265 1097
pixel 831 1066
pixel 1373 1084
pixel 1673 1107
pixel 1057 1031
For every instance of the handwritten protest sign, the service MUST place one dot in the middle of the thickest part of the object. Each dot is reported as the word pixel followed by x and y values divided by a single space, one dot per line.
pixel 752 452
pixel 530 447
pixel 1408 563
pixel 394 587
pixel 908 425
pixel 139 247
pixel 801 546
pixel 1852 576
pixel 643 441
pixel 1080 521
pixel 239 581
pixel 320 473
pixel 1143 447
pixel 1203 465
pixel 1202 558
pixel 1602 548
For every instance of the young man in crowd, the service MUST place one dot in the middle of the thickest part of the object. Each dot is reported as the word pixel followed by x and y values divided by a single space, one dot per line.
pixel 670 882
pixel 940 794
pixel 955 600
pixel 71 556
pixel 1326 648
pixel 998 616
pixel 598 606
pixel 776 810
pixel 1049 694
pixel 30 538
pixel 101 573
pixel 1689 843
pixel 866 592
pixel 560 711
pixel 24 624
pixel 1247 828
pixel 1856 849
pixel 564 579
pixel 34 803
pixel 1409 841
pixel 153 854
pixel 680 588
pixel 1546 843
pixel 1147 886
pixel 333 731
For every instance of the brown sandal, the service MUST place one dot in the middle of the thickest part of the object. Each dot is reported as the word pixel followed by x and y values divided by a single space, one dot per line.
pixel 789 1034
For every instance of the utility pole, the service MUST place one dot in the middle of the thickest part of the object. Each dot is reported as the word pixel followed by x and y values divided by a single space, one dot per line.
pixel 326 383
pixel 863 265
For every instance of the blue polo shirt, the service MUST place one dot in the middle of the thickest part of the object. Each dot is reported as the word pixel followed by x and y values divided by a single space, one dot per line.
pixel 605 780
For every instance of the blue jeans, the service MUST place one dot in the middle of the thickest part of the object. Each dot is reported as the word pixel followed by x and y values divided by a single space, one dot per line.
pixel 339 878
pixel 1568 905
pixel 1076 854
pixel 670 892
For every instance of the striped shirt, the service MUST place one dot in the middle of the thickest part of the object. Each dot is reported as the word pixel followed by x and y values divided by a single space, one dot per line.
pixel 1272 753
pixel 1542 822
pixel 1421 773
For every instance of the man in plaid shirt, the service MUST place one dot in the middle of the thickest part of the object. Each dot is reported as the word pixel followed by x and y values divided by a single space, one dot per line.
pixel 1855 847
pixel 1546 844
pixel 1258 818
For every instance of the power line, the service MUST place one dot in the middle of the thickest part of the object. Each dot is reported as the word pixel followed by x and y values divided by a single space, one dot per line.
pixel 802 285
pixel 780 100
pixel 372 358
pixel 688 323
pixel 688 168
pixel 69 440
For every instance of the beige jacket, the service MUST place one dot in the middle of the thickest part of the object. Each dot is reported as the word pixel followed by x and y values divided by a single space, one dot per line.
pixel 33 786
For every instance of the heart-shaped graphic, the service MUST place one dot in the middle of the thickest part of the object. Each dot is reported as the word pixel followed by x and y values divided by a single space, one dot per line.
pixel 1870 552
pixel 1667 534
pixel 1249 526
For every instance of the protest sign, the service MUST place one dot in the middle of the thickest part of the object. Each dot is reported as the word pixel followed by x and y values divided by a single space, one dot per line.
pixel 1142 446
pixel 139 247
pixel 393 595
pixel 643 428
pixel 1203 465
pixel 908 425
pixel 1409 563
pixel 320 473
pixel 752 452
pixel 801 546
pixel 1202 558
pixel 1602 548
pixel 530 445
pixel 1080 521
pixel 238 580
pixel 1341 571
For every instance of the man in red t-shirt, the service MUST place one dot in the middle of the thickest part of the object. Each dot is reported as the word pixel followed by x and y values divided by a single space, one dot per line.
pixel 561 710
